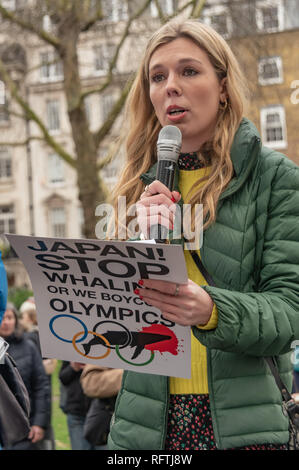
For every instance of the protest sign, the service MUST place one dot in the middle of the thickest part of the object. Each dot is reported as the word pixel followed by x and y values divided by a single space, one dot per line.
pixel 87 309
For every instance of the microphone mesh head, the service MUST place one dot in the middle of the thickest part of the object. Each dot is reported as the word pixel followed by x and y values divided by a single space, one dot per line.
pixel 170 133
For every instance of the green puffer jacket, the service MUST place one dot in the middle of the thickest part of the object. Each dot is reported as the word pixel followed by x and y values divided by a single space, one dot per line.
pixel 252 253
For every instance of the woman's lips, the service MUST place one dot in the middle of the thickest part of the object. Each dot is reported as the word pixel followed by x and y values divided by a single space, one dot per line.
pixel 176 113
pixel 175 117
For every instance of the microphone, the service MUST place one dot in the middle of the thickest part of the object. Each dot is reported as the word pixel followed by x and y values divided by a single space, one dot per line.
pixel 168 151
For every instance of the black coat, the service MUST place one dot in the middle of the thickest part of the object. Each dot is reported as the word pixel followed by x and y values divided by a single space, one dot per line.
pixel 76 402
pixel 30 366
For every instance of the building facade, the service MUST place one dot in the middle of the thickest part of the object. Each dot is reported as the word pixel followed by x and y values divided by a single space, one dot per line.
pixel 264 35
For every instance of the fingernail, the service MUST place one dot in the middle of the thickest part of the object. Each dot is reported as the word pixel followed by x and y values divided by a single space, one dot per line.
pixel 141 282
pixel 173 199
pixel 136 291
pixel 140 297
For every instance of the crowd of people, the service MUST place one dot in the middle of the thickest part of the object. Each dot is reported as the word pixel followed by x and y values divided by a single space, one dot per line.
pixel 80 384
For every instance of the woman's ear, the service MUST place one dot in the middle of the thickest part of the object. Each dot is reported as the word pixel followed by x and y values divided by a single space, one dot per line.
pixel 223 90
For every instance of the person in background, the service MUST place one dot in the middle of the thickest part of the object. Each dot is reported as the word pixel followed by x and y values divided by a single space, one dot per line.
pixel 30 366
pixel 28 321
pixel 101 383
pixel 76 403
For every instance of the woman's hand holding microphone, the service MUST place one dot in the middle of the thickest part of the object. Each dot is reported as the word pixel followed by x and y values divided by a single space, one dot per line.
pixel 186 304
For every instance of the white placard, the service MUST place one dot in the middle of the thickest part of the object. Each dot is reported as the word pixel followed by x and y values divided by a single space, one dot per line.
pixel 87 309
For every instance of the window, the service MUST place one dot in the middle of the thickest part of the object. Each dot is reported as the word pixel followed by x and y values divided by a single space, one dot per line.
pixel 107 102
pixel 4 114
pixel 55 169
pixel 115 10
pixel 9 4
pixel 102 57
pixel 51 67
pixel 5 164
pixel 269 16
pixel 270 71
pixel 110 171
pixel 7 219
pixel 47 23
pixel 53 118
pixel 219 18
pixel 273 125
pixel 2 93
pixel 58 222
pixel 167 7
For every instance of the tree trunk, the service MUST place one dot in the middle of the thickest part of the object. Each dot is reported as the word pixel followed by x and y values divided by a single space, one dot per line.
pixel 90 192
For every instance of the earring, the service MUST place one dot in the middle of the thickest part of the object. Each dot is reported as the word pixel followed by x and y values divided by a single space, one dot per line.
pixel 223 105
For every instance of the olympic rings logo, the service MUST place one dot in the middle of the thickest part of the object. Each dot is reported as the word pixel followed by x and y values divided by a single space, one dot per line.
pixel 80 336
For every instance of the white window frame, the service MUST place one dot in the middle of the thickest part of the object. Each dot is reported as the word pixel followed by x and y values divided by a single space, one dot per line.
pixel 166 5
pixel 56 170
pixel 50 119
pixel 271 80
pixel 47 23
pixel 2 93
pixel 8 218
pixel 119 10
pixel 265 112
pixel 58 222
pixel 259 15
pixel 102 56
pixel 53 67
pixel 4 112
pixel 9 4
pixel 5 164
pixel 218 10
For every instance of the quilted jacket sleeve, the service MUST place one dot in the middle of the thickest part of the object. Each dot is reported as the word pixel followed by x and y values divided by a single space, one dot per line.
pixel 266 322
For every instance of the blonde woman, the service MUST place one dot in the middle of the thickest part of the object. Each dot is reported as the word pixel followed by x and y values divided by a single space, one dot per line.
pixel 190 78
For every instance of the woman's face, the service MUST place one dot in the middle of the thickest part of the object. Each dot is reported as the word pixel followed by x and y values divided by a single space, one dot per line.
pixel 185 91
pixel 8 324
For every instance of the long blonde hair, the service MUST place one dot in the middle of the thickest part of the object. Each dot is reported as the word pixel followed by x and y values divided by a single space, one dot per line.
pixel 144 126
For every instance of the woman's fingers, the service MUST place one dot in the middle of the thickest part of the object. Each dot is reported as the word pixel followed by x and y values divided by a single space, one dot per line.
pixel 148 216
pixel 185 304
pixel 165 287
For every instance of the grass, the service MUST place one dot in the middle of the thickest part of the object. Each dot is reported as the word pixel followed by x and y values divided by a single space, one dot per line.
pixel 59 423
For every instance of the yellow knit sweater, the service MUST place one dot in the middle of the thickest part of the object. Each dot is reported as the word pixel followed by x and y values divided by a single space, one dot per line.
pixel 198 384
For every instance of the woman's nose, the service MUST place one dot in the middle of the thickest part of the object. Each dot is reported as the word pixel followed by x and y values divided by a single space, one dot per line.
pixel 173 87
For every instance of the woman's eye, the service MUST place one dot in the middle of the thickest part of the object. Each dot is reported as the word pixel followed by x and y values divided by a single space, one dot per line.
pixel 189 72
pixel 158 77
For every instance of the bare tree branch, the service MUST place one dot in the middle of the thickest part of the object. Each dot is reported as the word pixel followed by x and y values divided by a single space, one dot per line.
pixel 197 8
pixel 105 128
pixel 160 11
pixel 31 115
pixel 21 143
pixel 91 21
pixel 116 53
pixel 44 35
